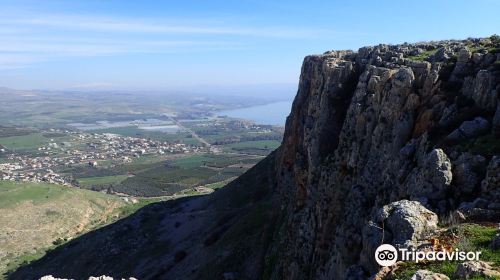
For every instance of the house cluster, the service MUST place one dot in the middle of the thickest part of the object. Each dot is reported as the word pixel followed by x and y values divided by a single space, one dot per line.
pixel 14 173
pixel 84 149
pixel 112 146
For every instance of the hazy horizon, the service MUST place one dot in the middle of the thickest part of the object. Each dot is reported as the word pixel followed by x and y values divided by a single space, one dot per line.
pixel 194 47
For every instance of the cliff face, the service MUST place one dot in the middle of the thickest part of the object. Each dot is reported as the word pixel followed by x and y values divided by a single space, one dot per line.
pixel 376 126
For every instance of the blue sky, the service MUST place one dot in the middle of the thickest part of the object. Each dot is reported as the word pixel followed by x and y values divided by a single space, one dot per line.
pixel 229 45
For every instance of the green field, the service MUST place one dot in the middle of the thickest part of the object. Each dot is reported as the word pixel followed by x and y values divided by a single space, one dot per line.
pixel 104 180
pixel 24 142
pixel 216 161
pixel 259 144
pixel 11 192
pixel 217 185
pixel 134 131
pixel 191 161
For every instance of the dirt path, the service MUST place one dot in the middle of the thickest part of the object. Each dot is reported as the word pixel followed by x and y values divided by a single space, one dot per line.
pixel 196 136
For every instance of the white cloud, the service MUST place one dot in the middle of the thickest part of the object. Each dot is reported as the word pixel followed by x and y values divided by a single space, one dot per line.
pixel 31 38
pixel 127 25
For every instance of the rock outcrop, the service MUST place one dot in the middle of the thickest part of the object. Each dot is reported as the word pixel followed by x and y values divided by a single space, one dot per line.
pixel 377 126
pixel 428 275
pixel 474 269
pixel 405 224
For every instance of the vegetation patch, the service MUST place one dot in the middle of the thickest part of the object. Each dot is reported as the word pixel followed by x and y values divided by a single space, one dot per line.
pixel 24 142
pixel 105 180
pixel 423 56
pixel 468 237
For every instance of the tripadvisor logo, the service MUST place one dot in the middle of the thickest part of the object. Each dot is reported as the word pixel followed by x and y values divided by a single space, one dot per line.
pixel 387 255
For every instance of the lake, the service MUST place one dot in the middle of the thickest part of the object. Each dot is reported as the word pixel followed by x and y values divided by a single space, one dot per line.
pixel 271 114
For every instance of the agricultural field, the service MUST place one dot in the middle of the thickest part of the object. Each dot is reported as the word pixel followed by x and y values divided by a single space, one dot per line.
pixel 149 175
pixel 24 142
pixel 134 131
pixel 156 177
pixel 103 180
pixel 259 147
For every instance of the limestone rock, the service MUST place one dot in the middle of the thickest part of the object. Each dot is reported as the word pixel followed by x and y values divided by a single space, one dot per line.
pixel 465 178
pixel 472 269
pixel 428 275
pixel 469 129
pixel 485 95
pixel 409 222
pixel 490 186
pixel 432 178
pixel 496 120
pixel 50 277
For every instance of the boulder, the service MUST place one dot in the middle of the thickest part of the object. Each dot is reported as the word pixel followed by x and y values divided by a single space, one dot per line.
pixel 464 55
pixel 403 77
pixel 423 274
pixel 432 178
pixel 496 120
pixel 50 277
pixel 472 269
pixel 495 242
pixel 490 186
pixel 409 222
pixel 470 129
pixel 484 94
pixel 465 178
pixel 381 274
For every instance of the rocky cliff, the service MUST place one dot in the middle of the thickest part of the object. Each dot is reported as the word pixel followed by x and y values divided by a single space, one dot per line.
pixel 387 123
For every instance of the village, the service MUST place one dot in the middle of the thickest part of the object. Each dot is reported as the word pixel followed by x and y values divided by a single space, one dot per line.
pixel 83 149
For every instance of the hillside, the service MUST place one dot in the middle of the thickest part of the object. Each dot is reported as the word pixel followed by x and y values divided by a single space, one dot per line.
pixel 188 238
pixel 390 144
pixel 35 217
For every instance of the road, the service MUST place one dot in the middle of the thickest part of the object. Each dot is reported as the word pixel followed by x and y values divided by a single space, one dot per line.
pixel 196 136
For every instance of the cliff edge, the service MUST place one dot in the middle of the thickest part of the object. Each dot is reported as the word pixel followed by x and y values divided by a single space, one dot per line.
pixel 417 122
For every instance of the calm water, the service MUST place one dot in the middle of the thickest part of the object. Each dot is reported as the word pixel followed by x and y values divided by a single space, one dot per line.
pixel 271 114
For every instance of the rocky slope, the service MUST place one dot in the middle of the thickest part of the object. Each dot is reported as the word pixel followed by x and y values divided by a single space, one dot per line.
pixel 381 145
pixel 385 124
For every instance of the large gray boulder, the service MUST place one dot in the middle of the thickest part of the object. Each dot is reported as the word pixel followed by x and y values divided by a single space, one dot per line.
pixel 465 178
pixel 432 178
pixel 50 277
pixel 408 221
pixel 485 95
pixel 490 186
pixel 428 275
pixel 404 224
pixel 472 269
